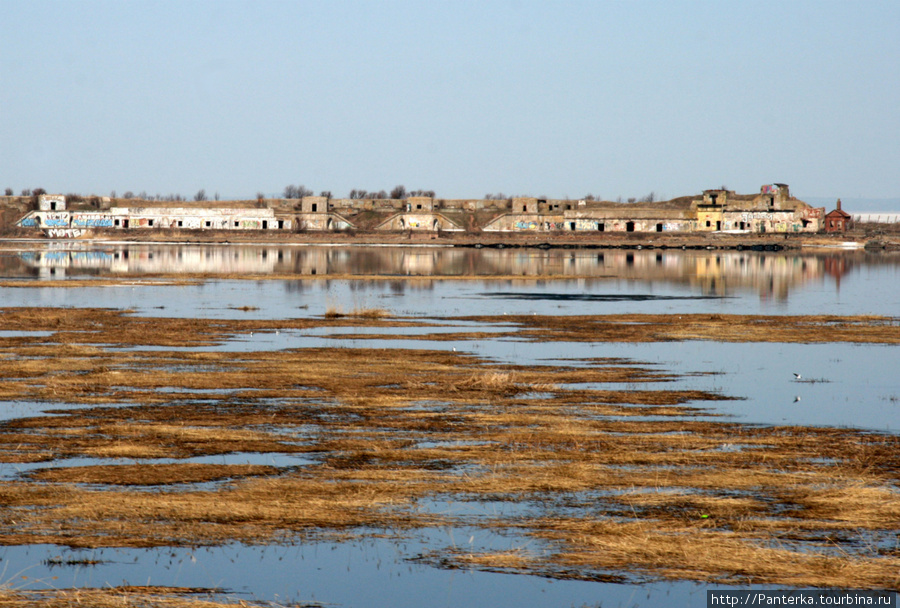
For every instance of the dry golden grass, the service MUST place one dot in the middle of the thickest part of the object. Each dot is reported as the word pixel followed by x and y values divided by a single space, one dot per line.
pixel 359 313
pixel 384 432
pixel 717 327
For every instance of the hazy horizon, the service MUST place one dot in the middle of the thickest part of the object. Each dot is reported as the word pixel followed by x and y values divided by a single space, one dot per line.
pixel 561 99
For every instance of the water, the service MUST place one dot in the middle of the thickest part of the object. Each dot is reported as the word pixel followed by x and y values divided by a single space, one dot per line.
pixel 312 280
pixel 845 385
pixel 380 572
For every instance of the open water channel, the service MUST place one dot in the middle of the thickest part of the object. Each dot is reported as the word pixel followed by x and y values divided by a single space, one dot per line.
pixel 852 385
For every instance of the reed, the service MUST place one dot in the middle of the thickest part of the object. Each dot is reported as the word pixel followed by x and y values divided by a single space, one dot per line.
pixel 383 433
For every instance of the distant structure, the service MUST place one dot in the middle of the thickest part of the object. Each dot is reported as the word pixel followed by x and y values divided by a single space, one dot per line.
pixel 51 202
pixel 838 220
pixel 773 210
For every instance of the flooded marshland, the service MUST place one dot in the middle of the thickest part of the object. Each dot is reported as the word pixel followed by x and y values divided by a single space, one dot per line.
pixel 441 427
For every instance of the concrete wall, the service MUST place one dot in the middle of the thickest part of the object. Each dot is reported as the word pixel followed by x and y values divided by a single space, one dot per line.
pixel 524 204
pixel 320 221
pixel 51 202
pixel 314 204
pixel 419 221
pixel 524 222
pixel 419 203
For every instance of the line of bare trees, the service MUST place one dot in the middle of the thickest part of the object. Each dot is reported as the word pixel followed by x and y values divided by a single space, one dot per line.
pixel 399 192
pixel 298 192
pixel 26 192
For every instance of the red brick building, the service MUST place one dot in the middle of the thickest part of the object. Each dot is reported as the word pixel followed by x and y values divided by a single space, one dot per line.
pixel 838 220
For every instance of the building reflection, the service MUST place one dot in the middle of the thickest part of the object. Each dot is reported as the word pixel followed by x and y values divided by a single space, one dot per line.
pixel 713 273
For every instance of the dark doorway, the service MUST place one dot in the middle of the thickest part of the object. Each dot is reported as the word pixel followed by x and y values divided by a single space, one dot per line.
pixel 265 225
pixel 601 227
pixel 571 225
pixel 629 227
pixel 659 227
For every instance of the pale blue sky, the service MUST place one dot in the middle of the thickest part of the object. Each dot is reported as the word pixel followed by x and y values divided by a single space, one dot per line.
pixel 465 98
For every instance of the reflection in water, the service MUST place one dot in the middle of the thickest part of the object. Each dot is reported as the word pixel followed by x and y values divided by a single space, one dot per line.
pixel 712 273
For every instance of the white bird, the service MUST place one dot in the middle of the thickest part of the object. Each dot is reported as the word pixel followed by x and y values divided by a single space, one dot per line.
pixel 797 398
pixel 797 376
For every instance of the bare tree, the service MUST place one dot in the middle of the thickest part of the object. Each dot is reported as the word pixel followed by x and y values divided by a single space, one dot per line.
pixel 9 192
pixel 128 194
pixel 289 192
pixel 200 196
pixel 326 194
pixel 399 192
pixel 260 196
pixel 303 191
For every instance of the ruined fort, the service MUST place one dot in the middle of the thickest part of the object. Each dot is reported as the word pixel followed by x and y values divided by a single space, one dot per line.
pixel 771 210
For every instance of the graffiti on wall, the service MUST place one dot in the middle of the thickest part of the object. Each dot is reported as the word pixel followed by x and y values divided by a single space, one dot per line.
pixel 92 221
pixel 56 220
pixel 770 189
pixel 525 226
pixel 65 233
pixel 28 221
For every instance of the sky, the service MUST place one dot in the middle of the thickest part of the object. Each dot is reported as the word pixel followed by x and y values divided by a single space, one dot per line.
pixel 466 98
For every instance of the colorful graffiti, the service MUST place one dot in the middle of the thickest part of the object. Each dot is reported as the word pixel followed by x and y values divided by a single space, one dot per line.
pixel 526 226
pixel 92 222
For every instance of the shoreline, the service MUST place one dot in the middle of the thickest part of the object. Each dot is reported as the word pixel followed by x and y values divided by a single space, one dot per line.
pixel 496 240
